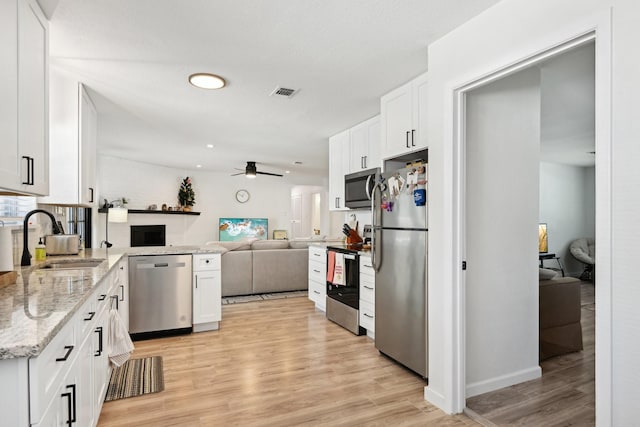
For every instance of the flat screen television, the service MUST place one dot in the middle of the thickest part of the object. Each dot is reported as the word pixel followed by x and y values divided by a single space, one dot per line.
pixel 235 229
pixel 543 244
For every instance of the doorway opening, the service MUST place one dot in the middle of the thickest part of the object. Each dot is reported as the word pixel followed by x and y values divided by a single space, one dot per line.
pixel 498 214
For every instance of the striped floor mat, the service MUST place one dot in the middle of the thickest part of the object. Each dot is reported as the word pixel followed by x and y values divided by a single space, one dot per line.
pixel 136 377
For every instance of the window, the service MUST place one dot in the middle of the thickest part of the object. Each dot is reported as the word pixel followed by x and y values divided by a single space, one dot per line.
pixel 14 208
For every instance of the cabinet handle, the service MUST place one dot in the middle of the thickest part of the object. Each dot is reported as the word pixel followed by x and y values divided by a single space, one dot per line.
pixel 69 409
pixel 413 141
pixel 102 297
pixel 98 330
pixel 365 162
pixel 32 179
pixel 368 287
pixel 316 292
pixel 196 282
pixel 368 266
pixel 27 158
pixel 317 255
pixel 91 195
pixel 91 314
pixel 407 141
pixel 121 292
pixel 317 271
pixel 73 393
pixel 116 299
pixel 69 349
pixel 368 315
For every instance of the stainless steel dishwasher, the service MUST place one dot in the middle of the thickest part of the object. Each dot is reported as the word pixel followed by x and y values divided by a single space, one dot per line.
pixel 159 295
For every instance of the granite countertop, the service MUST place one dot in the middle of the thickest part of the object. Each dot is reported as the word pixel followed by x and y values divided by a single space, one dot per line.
pixel 35 308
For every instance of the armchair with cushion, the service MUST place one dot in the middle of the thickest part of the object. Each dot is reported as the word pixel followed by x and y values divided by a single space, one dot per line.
pixel 584 250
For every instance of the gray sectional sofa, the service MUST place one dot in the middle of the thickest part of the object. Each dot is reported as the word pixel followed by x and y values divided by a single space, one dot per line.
pixel 264 266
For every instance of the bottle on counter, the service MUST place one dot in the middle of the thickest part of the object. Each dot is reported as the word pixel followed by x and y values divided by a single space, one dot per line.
pixel 41 251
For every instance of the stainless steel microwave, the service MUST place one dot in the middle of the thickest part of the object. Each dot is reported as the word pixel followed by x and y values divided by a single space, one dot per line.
pixel 357 188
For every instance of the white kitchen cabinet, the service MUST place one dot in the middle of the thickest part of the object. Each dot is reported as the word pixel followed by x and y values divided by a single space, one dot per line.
pixel 24 167
pixel 403 118
pixel 338 167
pixel 318 276
pixel 73 134
pixel 367 295
pixel 207 292
pixel 365 145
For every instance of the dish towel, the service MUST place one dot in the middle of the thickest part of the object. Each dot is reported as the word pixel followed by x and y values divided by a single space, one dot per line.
pixel 120 344
pixel 331 264
pixel 338 271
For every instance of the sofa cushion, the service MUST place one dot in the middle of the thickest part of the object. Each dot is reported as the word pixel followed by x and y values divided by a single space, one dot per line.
pixel 300 244
pixel 546 274
pixel 269 244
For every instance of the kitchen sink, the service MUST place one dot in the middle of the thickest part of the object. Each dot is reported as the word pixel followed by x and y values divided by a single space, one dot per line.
pixel 72 264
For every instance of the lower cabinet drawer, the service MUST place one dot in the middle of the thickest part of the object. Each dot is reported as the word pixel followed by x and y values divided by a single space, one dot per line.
pixel 317 271
pixel 318 293
pixel 367 316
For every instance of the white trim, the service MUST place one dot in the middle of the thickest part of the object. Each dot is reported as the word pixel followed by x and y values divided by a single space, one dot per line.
pixel 597 26
pixel 502 381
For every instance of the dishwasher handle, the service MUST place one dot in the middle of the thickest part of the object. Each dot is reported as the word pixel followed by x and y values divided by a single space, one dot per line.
pixel 161 265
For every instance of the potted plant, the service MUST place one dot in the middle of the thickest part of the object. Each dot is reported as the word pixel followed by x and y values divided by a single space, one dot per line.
pixel 186 195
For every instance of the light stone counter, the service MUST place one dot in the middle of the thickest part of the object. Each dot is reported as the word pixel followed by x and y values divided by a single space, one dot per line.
pixel 42 301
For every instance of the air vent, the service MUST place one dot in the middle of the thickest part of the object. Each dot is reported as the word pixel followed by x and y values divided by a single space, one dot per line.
pixel 283 91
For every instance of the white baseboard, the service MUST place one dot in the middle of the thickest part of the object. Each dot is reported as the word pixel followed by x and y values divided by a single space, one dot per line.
pixel 202 327
pixel 496 383
pixel 435 398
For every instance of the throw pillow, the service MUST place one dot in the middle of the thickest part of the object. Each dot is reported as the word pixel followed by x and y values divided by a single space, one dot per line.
pixel 547 274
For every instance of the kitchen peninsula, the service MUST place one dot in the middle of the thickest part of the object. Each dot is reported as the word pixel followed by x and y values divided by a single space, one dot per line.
pixel 53 334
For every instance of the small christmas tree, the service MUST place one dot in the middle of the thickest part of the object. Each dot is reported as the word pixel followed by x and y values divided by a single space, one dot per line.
pixel 186 195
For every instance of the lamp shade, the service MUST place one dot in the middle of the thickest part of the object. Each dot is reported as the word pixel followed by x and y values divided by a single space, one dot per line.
pixel 118 215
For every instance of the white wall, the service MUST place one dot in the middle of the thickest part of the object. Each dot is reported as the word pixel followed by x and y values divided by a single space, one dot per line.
pixel 145 184
pixel 503 35
pixel 567 206
pixel 501 292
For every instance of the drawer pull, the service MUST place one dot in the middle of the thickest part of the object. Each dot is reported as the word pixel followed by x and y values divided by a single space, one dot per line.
pixel 91 314
pixel 368 315
pixel 367 265
pixel 102 297
pixel 69 408
pixel 316 292
pixel 317 255
pixel 69 349
pixel 368 287
pixel 317 271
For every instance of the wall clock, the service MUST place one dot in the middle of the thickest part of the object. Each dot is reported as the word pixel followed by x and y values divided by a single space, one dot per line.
pixel 242 196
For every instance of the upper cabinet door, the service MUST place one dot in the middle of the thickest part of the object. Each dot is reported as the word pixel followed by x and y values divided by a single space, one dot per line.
pixel 338 167
pixel 9 164
pixel 404 118
pixel 365 145
pixel 396 125
pixel 88 141
pixel 33 120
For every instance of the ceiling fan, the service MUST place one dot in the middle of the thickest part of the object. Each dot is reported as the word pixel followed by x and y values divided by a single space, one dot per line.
pixel 250 171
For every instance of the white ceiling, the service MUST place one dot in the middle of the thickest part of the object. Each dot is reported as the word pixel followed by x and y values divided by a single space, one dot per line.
pixel 135 56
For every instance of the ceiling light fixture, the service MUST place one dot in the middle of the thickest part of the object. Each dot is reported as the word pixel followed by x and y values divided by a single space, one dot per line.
pixel 207 81
pixel 198 166
pixel 287 171
pixel 209 145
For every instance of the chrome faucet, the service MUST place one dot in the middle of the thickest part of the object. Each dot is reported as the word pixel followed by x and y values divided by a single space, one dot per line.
pixel 26 256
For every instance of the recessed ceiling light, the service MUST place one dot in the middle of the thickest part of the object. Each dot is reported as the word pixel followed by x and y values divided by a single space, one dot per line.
pixel 287 171
pixel 198 166
pixel 207 81
pixel 209 145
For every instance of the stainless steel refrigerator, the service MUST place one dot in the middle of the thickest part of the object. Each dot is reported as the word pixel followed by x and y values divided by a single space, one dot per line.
pixel 400 259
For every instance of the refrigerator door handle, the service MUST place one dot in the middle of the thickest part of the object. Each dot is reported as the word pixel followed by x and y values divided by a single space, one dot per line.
pixel 366 187
pixel 374 211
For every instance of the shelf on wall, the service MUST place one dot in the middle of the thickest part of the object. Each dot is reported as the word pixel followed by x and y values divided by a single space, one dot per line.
pixel 147 211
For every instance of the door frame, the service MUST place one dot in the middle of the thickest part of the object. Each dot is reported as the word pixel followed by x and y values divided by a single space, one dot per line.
pixel 598 30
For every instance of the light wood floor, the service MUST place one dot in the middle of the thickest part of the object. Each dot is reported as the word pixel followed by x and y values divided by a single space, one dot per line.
pixel 563 396
pixel 277 363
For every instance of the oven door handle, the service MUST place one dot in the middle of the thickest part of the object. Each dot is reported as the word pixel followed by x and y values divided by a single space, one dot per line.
pixel 347 256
